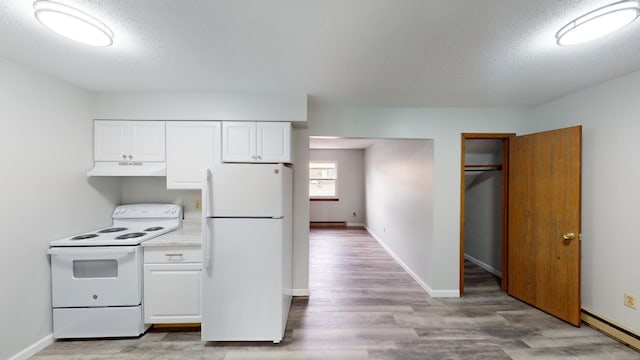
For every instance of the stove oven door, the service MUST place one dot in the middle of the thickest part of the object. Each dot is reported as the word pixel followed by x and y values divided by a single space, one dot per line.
pixel 96 276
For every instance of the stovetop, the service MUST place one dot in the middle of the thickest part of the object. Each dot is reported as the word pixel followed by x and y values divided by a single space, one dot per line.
pixel 132 224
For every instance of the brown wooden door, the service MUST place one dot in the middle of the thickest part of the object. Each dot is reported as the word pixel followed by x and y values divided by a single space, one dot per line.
pixel 544 207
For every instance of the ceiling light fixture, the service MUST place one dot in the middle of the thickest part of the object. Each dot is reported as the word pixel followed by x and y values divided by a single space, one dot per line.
pixel 599 22
pixel 72 23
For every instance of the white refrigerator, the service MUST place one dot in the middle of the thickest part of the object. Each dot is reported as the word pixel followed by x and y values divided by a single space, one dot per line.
pixel 247 252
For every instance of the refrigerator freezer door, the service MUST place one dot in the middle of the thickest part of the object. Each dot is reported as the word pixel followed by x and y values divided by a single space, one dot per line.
pixel 246 190
pixel 242 289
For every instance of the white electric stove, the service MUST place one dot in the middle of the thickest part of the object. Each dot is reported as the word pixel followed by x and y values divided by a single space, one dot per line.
pixel 132 224
pixel 96 276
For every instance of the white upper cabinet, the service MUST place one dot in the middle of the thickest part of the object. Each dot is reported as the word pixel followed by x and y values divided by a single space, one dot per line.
pixel 273 143
pixel 238 141
pixel 191 146
pixel 129 140
pixel 257 142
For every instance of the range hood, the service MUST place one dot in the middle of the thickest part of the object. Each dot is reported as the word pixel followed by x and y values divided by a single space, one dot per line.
pixel 128 168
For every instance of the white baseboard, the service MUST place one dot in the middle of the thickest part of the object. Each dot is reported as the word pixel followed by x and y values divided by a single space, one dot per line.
pixel 355 224
pixel 483 265
pixel 301 292
pixel 431 292
pixel 33 348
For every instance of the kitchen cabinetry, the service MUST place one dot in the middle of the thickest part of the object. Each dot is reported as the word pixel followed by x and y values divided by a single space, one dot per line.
pixel 256 142
pixel 191 146
pixel 172 284
pixel 129 140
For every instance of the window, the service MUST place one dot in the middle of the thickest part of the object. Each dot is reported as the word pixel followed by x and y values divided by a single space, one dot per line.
pixel 322 179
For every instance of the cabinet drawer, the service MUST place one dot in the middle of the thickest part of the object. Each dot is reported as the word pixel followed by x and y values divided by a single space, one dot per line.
pixel 170 254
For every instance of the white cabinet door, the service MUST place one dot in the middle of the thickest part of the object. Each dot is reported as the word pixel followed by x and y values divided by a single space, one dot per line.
pixel 128 140
pixel 172 293
pixel 273 142
pixel 147 140
pixel 110 141
pixel 238 141
pixel 256 142
pixel 191 146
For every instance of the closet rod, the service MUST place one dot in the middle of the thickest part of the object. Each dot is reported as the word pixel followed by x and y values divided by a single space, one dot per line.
pixel 485 167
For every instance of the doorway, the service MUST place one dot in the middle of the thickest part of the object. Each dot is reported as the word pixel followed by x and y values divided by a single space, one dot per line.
pixel 540 218
pixel 483 197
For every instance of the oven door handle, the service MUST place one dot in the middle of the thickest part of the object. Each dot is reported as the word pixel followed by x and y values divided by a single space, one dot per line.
pixel 89 253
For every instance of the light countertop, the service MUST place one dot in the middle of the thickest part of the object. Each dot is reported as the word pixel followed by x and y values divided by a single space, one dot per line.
pixel 189 235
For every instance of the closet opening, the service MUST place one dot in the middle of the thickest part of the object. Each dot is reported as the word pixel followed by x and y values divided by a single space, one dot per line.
pixel 483 204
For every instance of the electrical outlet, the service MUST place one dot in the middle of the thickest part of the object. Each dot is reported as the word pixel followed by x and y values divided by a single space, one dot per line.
pixel 630 301
pixel 355 214
pixel 198 205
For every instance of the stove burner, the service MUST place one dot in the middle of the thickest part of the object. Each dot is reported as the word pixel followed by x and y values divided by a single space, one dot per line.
pixel 84 236
pixel 130 236
pixel 111 230
pixel 155 228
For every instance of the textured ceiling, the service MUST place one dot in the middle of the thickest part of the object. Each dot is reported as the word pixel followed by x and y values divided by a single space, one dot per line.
pixel 355 52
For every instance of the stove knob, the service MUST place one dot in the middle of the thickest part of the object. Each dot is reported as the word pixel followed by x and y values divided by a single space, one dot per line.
pixel 123 210
pixel 173 211
pixel 95 297
pixel 167 210
pixel 144 210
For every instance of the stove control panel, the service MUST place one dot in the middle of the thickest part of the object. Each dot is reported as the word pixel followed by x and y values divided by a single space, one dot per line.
pixel 147 211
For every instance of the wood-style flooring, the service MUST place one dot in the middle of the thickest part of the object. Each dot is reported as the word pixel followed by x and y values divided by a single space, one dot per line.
pixel 364 306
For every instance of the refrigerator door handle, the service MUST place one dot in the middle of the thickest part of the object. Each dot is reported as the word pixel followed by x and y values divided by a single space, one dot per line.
pixel 206 245
pixel 207 193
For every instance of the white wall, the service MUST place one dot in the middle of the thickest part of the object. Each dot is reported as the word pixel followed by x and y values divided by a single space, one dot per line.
pixel 444 126
pixel 399 198
pixel 610 192
pixel 153 189
pixel 45 150
pixel 300 154
pixel 202 106
pixel 350 187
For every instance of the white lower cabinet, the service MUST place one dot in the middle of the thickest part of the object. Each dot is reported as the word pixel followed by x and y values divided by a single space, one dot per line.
pixel 172 285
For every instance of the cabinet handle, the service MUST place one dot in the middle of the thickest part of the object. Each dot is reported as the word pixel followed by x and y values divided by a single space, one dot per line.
pixel 174 257
pixel 259 157
pixel 124 156
pixel 130 157
pixel 253 157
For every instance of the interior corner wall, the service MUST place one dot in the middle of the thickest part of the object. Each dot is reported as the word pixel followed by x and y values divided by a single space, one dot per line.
pixel 608 114
pixel 46 147
pixel 350 187
pixel 443 126
pixel 399 198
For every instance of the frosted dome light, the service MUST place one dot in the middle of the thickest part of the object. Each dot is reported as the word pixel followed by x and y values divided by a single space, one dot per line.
pixel 72 23
pixel 598 23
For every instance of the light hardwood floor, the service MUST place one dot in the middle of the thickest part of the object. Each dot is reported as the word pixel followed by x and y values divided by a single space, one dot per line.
pixel 364 306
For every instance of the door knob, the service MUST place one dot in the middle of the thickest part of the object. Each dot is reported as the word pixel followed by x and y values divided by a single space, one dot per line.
pixel 569 236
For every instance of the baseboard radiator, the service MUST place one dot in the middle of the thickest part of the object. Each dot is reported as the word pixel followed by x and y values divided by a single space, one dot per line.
pixel 328 224
pixel 611 329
